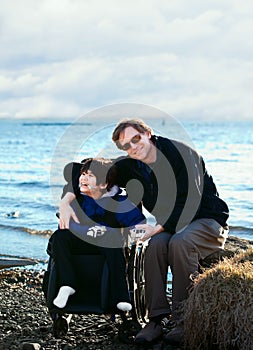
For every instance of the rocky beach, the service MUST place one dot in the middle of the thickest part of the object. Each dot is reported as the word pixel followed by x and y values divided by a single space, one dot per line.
pixel 26 324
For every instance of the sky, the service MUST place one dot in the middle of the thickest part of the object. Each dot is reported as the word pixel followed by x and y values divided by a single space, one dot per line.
pixel 64 58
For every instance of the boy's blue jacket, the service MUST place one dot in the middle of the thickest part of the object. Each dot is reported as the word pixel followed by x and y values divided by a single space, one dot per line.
pixel 113 210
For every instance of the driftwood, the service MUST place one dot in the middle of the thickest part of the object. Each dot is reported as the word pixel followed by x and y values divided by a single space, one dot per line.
pixel 7 261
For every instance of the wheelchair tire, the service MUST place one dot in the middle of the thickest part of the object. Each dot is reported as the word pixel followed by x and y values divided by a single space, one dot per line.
pixel 139 282
pixel 60 327
pixel 128 330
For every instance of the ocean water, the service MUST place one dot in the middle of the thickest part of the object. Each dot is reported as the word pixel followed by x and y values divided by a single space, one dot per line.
pixel 33 154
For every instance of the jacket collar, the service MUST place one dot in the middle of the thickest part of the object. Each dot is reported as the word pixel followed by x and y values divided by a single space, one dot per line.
pixel 114 190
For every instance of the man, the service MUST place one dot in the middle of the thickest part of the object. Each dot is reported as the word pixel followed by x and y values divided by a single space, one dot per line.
pixel 191 219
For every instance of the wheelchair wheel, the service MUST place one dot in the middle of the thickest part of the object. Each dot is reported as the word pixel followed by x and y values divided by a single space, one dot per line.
pixel 61 326
pixel 139 283
pixel 128 330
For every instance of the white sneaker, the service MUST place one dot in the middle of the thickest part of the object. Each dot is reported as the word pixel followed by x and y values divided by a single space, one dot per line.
pixel 62 296
pixel 123 306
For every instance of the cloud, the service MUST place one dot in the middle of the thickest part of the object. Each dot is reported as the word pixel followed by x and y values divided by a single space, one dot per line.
pixel 62 58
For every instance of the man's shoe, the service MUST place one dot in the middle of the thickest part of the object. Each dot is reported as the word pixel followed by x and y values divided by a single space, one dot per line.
pixel 149 333
pixel 175 336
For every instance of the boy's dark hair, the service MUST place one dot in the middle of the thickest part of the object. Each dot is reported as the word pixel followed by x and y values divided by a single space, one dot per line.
pixel 104 170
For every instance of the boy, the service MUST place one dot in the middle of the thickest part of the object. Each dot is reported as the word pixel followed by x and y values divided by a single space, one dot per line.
pixel 102 211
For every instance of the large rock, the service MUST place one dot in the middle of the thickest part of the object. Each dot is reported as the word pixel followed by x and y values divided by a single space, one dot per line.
pixel 234 245
pixel 218 313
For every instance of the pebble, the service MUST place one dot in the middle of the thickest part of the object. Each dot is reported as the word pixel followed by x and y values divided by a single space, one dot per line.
pixel 30 346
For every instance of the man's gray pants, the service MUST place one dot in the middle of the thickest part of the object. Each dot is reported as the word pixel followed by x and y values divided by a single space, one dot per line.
pixel 182 252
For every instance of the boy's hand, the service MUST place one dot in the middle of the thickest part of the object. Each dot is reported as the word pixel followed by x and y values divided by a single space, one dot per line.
pixel 96 231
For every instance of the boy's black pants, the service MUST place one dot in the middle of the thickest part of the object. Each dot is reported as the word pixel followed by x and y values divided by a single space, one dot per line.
pixel 64 244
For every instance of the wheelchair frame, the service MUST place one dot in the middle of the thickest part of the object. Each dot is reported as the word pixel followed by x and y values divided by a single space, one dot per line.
pixel 131 321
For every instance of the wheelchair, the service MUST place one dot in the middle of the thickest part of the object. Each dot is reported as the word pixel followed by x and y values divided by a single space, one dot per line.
pixel 93 293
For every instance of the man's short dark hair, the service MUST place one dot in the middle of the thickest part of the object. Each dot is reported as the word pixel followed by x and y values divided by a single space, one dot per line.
pixel 135 123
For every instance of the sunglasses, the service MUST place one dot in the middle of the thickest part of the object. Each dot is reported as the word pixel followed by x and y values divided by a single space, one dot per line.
pixel 135 139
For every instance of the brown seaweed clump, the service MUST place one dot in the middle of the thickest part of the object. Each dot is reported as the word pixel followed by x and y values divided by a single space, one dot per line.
pixel 219 310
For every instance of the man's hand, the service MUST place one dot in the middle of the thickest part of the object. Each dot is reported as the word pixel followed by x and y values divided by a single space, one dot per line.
pixel 143 232
pixel 66 212
pixel 136 234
